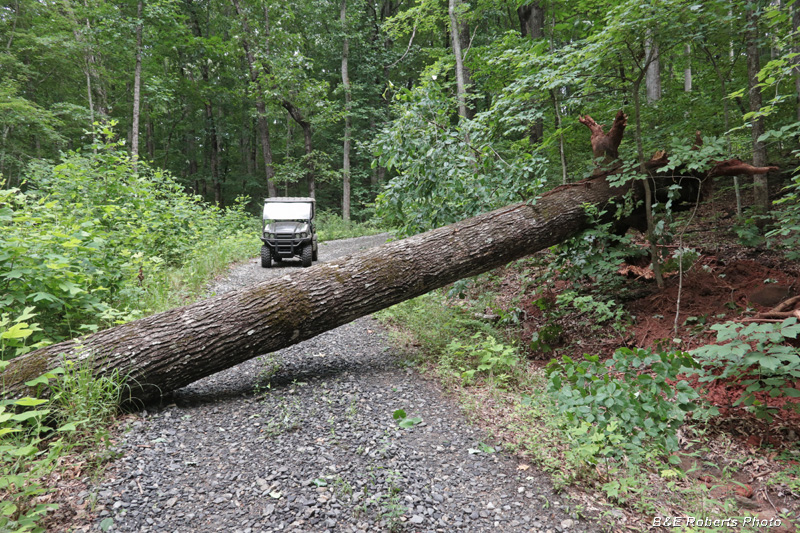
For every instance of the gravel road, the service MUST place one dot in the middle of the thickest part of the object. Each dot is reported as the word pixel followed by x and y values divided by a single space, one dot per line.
pixel 304 440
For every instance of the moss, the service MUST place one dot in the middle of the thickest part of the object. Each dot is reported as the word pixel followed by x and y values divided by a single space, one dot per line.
pixel 25 369
pixel 295 305
pixel 386 271
pixel 331 272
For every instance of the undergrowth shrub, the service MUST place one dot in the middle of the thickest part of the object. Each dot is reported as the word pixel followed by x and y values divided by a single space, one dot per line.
pixel 481 356
pixel 757 356
pixel 788 231
pixel 593 258
pixel 432 323
pixel 36 433
pixel 331 226
pixel 87 235
pixel 626 407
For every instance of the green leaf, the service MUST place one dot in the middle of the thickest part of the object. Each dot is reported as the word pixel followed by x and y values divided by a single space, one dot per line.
pixel 29 402
pixel 27 415
pixel 410 422
pixel 17 331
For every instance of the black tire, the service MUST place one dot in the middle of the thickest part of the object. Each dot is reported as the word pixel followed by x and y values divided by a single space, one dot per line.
pixel 314 255
pixel 266 257
pixel 306 255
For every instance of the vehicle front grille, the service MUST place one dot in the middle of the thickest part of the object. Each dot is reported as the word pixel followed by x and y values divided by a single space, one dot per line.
pixel 284 243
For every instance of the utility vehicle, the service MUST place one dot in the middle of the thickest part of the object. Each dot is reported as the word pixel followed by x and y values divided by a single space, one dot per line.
pixel 288 230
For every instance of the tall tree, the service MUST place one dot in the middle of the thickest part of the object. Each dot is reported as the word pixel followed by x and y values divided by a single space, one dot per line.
pixel 531 22
pixel 760 184
pixel 137 82
pixel 653 70
pixel 261 108
pixel 462 74
pixel 348 98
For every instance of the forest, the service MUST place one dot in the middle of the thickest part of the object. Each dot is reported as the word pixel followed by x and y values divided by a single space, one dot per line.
pixel 469 104
pixel 139 138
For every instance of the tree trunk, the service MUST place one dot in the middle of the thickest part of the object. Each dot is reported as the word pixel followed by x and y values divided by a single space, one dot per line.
pixel 796 28
pixel 531 20
pixel 212 142
pixel 298 117
pixel 347 124
pixel 760 185
pixel 266 148
pixel 653 76
pixel 261 108
pixel 531 24
pixel 687 72
pixel 461 73
pixel 137 83
pixel 562 154
pixel 169 350
pixel 648 206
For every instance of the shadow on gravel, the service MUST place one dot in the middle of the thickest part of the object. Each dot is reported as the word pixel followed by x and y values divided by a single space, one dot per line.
pixel 217 388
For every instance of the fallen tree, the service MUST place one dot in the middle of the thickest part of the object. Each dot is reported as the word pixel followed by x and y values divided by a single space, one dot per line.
pixel 169 350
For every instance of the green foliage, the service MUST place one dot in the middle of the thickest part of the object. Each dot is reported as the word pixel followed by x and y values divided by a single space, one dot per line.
pixel 433 323
pixel 787 233
pixel 446 172
pixel 483 355
pixel 35 433
pixel 83 243
pixel 404 421
pixel 624 407
pixel 594 257
pixel 331 226
pixel 758 357
pixel 600 311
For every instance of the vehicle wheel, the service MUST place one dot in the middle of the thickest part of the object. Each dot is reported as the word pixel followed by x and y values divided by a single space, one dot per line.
pixel 266 257
pixel 314 255
pixel 306 255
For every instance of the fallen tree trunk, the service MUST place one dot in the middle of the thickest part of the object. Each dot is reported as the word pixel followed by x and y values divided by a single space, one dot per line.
pixel 169 350
pixel 166 351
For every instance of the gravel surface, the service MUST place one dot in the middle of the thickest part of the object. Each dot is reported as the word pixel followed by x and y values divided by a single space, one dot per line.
pixel 305 440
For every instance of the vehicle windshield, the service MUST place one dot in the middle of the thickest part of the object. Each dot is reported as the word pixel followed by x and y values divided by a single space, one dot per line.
pixel 287 211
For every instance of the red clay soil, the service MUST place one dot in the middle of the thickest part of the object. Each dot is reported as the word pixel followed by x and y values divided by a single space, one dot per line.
pixel 718 288
pixel 715 291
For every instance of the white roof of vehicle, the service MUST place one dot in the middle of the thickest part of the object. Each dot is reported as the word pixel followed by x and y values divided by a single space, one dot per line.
pixel 298 210
pixel 282 199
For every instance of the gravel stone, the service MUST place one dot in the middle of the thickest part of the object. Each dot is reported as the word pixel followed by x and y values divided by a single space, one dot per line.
pixel 303 440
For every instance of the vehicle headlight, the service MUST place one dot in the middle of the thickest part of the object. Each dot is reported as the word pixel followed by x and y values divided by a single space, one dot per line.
pixel 270 235
pixel 302 234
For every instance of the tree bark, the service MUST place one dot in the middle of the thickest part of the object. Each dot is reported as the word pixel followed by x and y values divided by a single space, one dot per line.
pixel 347 121
pixel 531 20
pixel 137 83
pixel 653 77
pixel 687 72
pixel 305 125
pixel 462 76
pixel 531 24
pixel 760 185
